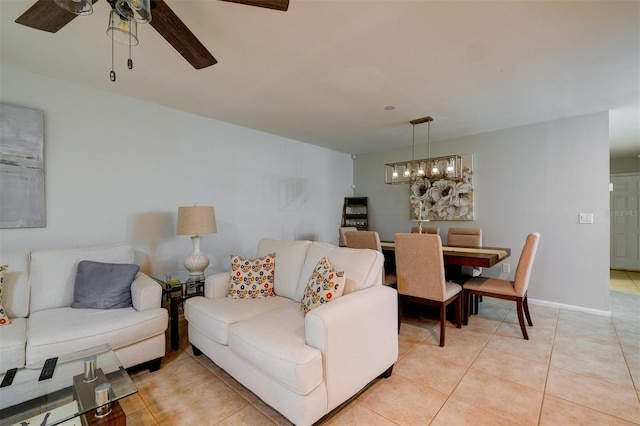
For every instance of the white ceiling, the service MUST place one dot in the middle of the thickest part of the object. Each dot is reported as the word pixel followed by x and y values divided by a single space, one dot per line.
pixel 323 71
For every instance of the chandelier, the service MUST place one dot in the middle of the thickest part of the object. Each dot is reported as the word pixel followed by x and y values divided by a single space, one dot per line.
pixel 432 169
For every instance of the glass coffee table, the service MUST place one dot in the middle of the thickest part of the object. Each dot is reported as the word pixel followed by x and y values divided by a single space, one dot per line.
pixel 83 390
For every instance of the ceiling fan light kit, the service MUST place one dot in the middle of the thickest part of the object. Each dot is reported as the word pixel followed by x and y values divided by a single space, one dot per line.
pixel 137 10
pixel 121 30
pixel 77 7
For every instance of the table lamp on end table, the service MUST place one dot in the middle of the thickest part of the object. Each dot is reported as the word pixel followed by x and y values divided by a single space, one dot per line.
pixel 196 221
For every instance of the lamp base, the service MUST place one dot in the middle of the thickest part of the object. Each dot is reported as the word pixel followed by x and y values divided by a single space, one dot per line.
pixel 196 262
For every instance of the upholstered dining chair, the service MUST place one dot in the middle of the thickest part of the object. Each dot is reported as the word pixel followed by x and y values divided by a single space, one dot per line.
pixel 420 274
pixel 515 290
pixel 342 241
pixel 369 240
pixel 470 237
pixel 426 230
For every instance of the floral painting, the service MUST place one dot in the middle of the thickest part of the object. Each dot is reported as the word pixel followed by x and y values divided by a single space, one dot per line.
pixel 444 199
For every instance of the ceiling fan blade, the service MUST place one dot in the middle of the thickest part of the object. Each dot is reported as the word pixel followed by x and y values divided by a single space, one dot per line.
pixel 269 4
pixel 47 16
pixel 167 23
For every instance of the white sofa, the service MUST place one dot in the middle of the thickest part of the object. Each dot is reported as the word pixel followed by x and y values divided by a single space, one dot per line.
pixel 304 366
pixel 38 292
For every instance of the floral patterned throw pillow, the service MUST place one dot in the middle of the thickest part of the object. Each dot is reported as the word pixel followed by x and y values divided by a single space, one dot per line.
pixel 4 319
pixel 324 285
pixel 252 278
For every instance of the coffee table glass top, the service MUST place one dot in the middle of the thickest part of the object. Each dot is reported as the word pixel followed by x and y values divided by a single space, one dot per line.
pixel 66 395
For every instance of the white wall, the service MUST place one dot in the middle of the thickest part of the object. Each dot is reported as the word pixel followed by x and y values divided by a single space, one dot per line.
pixel 537 177
pixel 111 161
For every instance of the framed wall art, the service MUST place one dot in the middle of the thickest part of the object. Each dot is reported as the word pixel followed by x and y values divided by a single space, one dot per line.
pixel 22 197
pixel 446 198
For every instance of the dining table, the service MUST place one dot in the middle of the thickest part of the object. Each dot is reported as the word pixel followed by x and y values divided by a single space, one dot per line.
pixel 481 257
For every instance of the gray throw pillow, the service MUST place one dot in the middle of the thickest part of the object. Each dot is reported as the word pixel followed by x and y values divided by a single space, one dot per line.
pixel 103 285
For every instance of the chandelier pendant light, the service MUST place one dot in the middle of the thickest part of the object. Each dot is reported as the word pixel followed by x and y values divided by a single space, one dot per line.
pixel 124 30
pixel 77 7
pixel 430 168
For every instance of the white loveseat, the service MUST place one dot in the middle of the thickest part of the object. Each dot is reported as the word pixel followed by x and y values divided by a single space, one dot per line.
pixel 304 366
pixel 38 292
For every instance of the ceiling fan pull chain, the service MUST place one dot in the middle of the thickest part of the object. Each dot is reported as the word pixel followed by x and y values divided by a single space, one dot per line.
pixel 130 61
pixel 112 74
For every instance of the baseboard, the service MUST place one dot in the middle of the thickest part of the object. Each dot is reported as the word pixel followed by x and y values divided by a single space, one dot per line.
pixel 570 307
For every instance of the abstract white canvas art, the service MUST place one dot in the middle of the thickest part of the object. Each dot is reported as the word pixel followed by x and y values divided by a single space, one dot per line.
pixel 22 198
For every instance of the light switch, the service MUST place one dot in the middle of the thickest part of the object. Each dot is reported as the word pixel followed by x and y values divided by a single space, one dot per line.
pixel 586 218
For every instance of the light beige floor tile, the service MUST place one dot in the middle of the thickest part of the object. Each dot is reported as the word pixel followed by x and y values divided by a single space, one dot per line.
pixel 409 337
pixel 437 372
pixel 544 332
pixel 171 379
pixel 629 338
pixel 570 345
pixel 628 324
pixel 499 396
pixel 615 372
pixel 583 319
pixel 459 413
pixel 556 411
pixel 404 401
pixel 248 416
pixel 485 324
pixel 203 404
pixel 131 404
pixel 532 350
pixel 532 374
pixel 141 418
pixel 587 391
pixel 632 357
pixel 271 413
pixel 601 331
pixel 356 415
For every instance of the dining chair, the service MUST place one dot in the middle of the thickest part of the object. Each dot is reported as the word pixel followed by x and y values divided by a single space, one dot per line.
pixel 420 274
pixel 369 240
pixel 342 241
pixel 470 237
pixel 515 290
pixel 426 230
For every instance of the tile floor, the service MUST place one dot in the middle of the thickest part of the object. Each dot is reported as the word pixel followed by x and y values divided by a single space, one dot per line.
pixel 576 368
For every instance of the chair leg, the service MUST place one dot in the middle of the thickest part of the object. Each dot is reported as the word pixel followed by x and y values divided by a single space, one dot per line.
pixel 465 307
pixel 525 305
pixel 521 318
pixel 459 310
pixel 476 299
pixel 443 311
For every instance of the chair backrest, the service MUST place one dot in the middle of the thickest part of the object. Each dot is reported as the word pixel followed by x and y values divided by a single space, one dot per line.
pixel 464 237
pixel 342 231
pixel 525 263
pixel 426 230
pixel 420 266
pixel 363 239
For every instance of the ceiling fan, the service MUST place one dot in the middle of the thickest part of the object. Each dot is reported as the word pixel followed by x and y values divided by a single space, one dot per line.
pixel 46 15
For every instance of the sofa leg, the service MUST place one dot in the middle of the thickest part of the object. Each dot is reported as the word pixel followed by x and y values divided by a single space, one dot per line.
pixel 196 351
pixel 154 364
pixel 388 371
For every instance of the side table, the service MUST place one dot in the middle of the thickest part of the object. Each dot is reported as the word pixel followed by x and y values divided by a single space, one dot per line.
pixel 178 287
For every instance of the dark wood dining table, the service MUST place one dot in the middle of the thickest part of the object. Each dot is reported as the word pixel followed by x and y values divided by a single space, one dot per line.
pixel 483 257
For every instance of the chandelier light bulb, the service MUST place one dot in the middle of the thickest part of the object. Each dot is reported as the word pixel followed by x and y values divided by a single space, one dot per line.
pixel 421 169
pixel 395 172
pixel 407 170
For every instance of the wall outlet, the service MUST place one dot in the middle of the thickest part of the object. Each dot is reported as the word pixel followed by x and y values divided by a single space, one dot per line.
pixel 585 218
pixel 506 268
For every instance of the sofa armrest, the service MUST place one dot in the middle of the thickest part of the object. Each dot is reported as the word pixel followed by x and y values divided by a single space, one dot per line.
pixel 358 336
pixel 146 293
pixel 217 286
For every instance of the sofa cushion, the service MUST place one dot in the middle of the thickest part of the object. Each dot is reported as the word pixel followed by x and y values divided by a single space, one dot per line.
pixel 362 267
pixel 324 285
pixel 290 258
pixel 252 278
pixel 59 266
pixel 103 285
pixel 16 290
pixel 12 344
pixel 274 343
pixel 54 332
pixel 214 316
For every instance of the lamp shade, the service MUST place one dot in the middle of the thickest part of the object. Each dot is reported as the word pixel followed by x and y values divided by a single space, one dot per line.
pixel 196 220
pixel 77 7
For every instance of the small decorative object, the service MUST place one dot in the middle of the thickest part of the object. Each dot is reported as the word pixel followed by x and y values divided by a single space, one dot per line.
pixel 196 221
pixel 103 394
pixel 4 319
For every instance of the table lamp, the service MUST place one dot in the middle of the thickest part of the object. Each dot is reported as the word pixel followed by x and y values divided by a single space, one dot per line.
pixel 196 221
